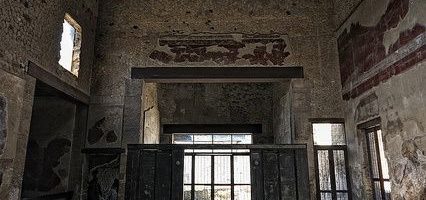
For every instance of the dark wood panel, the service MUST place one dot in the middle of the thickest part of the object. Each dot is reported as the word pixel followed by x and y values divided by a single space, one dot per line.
pixel 216 74
pixel 55 82
pixel 177 174
pixel 256 175
pixel 271 175
pixel 163 176
pixel 288 175
pixel 102 150
pixel 132 175
pixel 303 187
pixel 147 163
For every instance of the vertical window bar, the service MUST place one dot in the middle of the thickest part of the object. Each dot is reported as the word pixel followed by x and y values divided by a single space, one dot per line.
pixel 332 174
pixel 232 177
pixel 193 177
pixel 212 193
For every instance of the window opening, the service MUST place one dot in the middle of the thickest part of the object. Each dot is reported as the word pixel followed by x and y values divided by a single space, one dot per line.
pixel 331 161
pixel 378 164
pixel 216 174
pixel 70 45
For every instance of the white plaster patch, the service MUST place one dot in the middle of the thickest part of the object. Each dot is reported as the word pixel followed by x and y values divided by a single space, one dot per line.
pixel 416 14
pixel 270 46
pixel 248 49
pixel 217 48
pixel 165 49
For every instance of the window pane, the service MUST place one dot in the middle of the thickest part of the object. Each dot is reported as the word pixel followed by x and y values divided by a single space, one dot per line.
pixel 222 169
pixel 340 170
pixel 202 192
pixel 241 139
pixel 187 192
pixel 183 139
pixel 221 139
pixel 377 190
pixel 325 196
pixel 222 192
pixel 373 155
pixel 203 139
pixel 202 169
pixel 67 45
pixel 387 186
pixel 324 170
pixel 383 161
pixel 329 134
pixel 187 176
pixel 242 169
pixel 242 192
pixel 342 196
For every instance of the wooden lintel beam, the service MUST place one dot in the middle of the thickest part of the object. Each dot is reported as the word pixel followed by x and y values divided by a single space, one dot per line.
pixel 216 74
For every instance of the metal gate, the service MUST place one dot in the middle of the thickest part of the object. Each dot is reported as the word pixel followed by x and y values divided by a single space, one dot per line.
pixel 277 172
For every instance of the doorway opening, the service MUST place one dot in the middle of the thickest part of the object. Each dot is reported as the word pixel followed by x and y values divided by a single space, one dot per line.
pixel 53 159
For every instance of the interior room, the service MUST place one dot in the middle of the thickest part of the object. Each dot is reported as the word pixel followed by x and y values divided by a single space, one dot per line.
pixel 213 100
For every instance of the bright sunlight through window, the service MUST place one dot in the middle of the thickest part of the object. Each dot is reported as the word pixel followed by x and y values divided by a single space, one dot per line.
pixel 70 45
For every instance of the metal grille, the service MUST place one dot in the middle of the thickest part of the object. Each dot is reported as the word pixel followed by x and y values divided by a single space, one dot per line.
pixel 218 174
pixel 378 164
pixel 331 163
pixel 332 173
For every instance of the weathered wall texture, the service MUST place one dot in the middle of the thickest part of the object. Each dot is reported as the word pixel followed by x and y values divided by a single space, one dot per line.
pixel 228 103
pixel 49 147
pixel 31 31
pixel 282 116
pixel 382 51
pixel 17 95
pixel 276 33
pixel 151 114
pixel 343 9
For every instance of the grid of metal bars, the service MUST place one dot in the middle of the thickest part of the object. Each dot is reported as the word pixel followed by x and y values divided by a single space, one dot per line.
pixel 226 161
pixel 331 164
pixel 378 164
pixel 332 172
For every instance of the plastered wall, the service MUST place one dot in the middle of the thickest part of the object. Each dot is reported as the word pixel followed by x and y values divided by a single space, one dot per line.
pixel 382 51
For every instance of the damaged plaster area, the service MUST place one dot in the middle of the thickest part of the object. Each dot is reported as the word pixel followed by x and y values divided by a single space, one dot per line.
pixel 222 49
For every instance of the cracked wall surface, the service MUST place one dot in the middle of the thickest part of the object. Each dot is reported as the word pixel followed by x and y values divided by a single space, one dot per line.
pixel 382 51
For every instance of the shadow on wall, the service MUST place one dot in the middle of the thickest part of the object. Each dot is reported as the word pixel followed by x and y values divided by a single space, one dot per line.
pixel 42 176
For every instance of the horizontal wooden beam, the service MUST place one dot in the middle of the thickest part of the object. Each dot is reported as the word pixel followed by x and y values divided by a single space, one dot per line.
pixel 102 150
pixel 55 82
pixel 216 74
pixel 212 128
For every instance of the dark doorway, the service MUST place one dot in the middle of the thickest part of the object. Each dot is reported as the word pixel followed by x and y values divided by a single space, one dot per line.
pixel 53 160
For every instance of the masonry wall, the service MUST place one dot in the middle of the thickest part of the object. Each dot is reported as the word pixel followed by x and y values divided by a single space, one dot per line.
pixel 218 34
pixel 227 103
pixel 382 51
pixel 31 31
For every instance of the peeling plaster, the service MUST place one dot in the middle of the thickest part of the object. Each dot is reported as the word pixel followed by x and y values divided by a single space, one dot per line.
pixel 416 15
